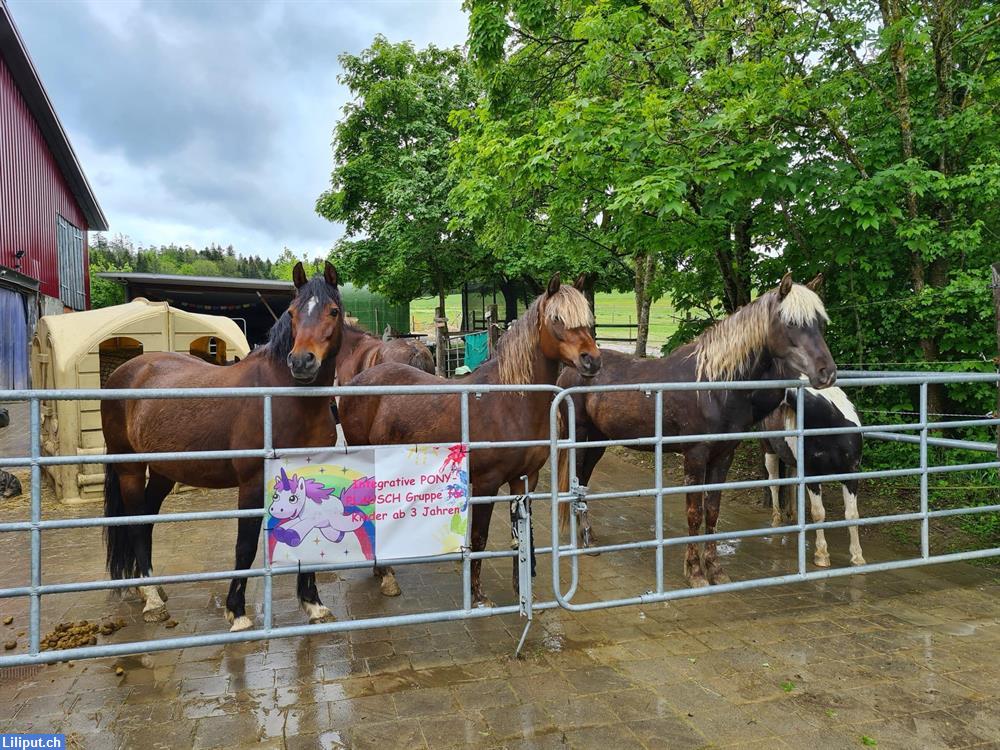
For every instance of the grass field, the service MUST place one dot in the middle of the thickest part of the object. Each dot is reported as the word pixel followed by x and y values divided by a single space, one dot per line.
pixel 612 307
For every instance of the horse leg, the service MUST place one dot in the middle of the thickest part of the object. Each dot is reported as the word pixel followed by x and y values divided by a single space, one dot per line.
pixel 247 535
pixel 305 587
pixel 694 473
pixel 821 556
pixel 716 472
pixel 388 585
pixel 481 515
pixel 588 462
pixel 153 597
pixel 851 512
pixel 771 465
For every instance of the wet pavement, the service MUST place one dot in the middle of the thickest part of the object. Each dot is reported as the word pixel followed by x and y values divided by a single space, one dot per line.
pixel 905 659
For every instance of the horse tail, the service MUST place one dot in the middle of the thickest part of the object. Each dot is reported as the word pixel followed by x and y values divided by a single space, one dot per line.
pixel 563 468
pixel 121 560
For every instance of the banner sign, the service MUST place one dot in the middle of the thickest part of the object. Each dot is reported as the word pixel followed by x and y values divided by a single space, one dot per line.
pixel 356 505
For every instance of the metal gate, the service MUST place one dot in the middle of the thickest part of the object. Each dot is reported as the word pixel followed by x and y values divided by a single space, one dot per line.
pixel 558 550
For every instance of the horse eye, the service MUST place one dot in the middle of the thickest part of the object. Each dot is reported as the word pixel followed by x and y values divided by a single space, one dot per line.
pixel 334 312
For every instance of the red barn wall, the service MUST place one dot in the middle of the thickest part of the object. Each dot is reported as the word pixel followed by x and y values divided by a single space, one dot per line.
pixel 32 192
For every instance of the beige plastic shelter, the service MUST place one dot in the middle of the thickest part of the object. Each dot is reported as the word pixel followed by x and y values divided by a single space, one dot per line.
pixel 80 350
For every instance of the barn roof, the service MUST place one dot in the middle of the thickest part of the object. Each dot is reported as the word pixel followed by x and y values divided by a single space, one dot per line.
pixel 15 55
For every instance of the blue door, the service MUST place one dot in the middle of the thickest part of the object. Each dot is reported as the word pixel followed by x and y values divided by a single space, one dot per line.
pixel 13 341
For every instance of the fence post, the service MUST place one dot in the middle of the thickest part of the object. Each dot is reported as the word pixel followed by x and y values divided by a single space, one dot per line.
pixel 996 360
pixel 492 326
pixel 441 338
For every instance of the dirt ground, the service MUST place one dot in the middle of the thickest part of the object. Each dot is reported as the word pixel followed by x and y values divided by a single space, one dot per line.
pixel 904 659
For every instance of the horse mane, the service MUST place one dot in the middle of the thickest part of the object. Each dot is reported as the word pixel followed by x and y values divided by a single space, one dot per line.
pixel 279 339
pixel 728 349
pixel 516 348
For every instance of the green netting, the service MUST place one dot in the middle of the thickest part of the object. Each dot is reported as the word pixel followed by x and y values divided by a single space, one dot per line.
pixel 373 311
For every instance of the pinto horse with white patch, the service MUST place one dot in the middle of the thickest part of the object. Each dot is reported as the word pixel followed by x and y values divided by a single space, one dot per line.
pixel 301 351
pixel 824 454
pixel 777 336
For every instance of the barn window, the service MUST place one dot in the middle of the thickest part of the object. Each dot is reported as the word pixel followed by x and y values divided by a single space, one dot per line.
pixel 71 262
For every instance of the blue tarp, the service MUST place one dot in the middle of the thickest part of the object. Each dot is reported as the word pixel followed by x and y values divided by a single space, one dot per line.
pixel 13 341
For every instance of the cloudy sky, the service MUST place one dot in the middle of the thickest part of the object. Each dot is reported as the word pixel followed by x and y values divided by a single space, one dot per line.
pixel 210 121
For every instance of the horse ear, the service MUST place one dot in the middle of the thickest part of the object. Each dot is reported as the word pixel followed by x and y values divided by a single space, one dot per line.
pixel 330 274
pixel 816 283
pixel 581 282
pixel 299 276
pixel 785 286
pixel 554 285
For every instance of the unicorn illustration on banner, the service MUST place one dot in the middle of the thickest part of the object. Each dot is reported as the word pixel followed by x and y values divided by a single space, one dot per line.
pixel 301 505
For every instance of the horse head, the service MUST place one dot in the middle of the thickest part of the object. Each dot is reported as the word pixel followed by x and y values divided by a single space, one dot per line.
pixel 795 332
pixel 289 496
pixel 565 321
pixel 316 323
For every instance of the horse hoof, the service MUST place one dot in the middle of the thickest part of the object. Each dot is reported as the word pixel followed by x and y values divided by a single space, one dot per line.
pixel 775 521
pixel 722 577
pixel 697 582
pixel 822 561
pixel 859 560
pixel 241 623
pixel 157 614
pixel 482 603
pixel 389 587
pixel 317 613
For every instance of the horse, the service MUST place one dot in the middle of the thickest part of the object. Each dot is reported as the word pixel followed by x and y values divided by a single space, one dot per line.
pixel 555 329
pixel 301 351
pixel 825 454
pixel 360 350
pixel 778 335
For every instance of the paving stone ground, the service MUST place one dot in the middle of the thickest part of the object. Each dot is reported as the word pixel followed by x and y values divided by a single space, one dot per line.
pixel 905 659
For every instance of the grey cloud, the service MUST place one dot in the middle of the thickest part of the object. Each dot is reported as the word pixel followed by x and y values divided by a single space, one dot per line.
pixel 226 108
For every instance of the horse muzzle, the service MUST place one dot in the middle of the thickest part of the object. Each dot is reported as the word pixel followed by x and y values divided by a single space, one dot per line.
pixel 588 365
pixel 823 378
pixel 304 367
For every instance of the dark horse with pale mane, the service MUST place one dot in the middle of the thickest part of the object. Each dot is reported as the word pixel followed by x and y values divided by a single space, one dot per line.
pixel 778 335
pixel 555 329
pixel 301 350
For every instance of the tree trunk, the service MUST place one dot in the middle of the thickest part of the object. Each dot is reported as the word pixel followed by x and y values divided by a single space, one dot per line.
pixel 509 291
pixel 735 257
pixel 892 13
pixel 645 267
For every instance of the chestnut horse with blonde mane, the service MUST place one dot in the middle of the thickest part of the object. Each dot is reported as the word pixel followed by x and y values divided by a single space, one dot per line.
pixel 301 351
pixel 554 330
pixel 777 336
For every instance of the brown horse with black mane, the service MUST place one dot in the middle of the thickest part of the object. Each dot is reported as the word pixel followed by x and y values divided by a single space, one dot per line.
pixel 301 351
pixel 777 336
pixel 555 329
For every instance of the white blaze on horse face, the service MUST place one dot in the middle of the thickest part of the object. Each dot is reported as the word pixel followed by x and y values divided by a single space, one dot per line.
pixel 311 305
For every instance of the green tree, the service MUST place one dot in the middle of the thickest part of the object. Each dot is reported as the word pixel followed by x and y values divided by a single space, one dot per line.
pixel 390 182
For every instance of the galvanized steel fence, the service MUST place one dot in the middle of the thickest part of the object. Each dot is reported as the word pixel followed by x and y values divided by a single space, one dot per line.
pixel 558 550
